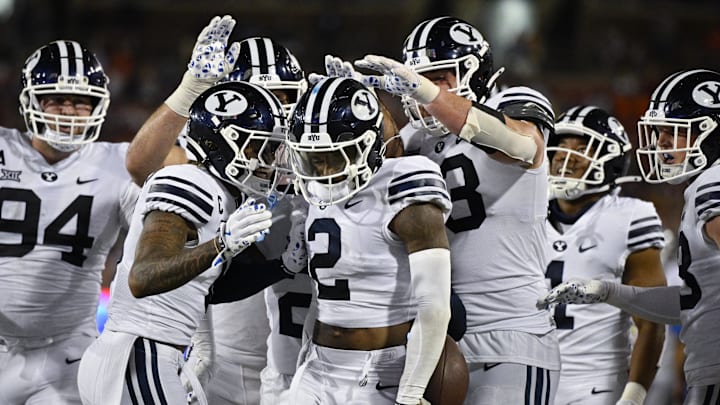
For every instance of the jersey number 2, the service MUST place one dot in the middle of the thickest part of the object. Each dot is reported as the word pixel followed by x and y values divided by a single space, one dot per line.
pixel 328 226
pixel 27 227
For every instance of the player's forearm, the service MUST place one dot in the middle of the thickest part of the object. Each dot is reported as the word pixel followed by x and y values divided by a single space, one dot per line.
pixel 153 142
pixel 646 352
pixel 162 273
pixel 450 109
pixel 430 271
pixel 656 304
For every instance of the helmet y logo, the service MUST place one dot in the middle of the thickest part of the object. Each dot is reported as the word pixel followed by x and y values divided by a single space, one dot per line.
pixel 465 34
pixel 364 105
pixel 226 103
pixel 707 94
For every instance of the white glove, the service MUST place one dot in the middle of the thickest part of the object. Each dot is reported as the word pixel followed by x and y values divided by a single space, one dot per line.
pixel 336 67
pixel 295 257
pixel 247 225
pixel 397 79
pixel 209 63
pixel 203 351
pixel 575 292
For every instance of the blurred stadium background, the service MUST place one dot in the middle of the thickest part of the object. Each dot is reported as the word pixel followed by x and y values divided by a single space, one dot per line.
pixel 606 52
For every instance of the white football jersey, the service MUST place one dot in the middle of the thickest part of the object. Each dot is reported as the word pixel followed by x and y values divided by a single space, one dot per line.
pixel 595 338
pixel 171 317
pixel 496 230
pixel 57 225
pixel 698 263
pixel 360 267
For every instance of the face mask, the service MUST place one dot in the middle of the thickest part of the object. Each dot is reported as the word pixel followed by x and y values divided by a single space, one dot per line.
pixel 61 147
pixel 328 192
pixel 256 185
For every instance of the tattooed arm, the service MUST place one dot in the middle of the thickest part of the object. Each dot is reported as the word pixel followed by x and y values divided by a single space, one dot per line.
pixel 162 262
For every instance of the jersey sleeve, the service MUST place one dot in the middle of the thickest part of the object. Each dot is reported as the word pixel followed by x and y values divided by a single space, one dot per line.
pixel 128 199
pixel 183 190
pixel 417 179
pixel 524 103
pixel 707 200
pixel 645 230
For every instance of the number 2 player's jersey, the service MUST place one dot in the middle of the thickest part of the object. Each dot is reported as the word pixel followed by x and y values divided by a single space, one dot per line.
pixel 595 338
pixel 699 265
pixel 171 317
pixel 57 225
pixel 362 269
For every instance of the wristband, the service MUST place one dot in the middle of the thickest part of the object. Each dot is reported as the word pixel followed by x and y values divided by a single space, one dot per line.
pixel 634 392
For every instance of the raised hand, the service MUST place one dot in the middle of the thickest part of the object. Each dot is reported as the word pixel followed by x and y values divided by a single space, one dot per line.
pixel 210 62
pixel 397 79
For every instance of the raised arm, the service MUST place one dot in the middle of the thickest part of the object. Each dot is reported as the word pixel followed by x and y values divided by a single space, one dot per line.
pixel 519 141
pixel 154 144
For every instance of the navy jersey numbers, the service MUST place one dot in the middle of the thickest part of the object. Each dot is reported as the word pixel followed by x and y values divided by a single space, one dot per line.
pixel 339 291
pixel 555 274
pixel 687 301
pixel 27 227
pixel 465 192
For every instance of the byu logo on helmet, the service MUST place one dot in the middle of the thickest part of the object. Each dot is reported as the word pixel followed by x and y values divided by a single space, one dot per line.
pixel 364 106
pixel 226 103
pixel 707 94
pixel 617 128
pixel 465 34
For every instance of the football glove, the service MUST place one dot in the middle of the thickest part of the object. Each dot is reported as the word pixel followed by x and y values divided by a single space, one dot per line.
pixel 245 226
pixel 203 352
pixel 575 292
pixel 295 257
pixel 397 79
pixel 209 63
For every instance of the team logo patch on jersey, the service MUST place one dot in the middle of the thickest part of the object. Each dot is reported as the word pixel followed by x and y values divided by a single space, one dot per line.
pixel 465 34
pixel 439 146
pixel 560 246
pixel 49 176
pixel 226 103
pixel 364 105
pixel 13 175
pixel 707 94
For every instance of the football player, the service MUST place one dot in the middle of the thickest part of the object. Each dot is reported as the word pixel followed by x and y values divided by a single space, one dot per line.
pixel 174 253
pixel 679 142
pixel 491 151
pixel 64 199
pixel 379 253
pixel 596 234
pixel 228 355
